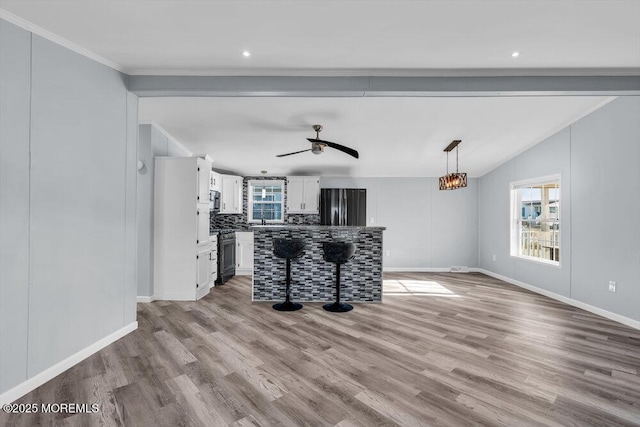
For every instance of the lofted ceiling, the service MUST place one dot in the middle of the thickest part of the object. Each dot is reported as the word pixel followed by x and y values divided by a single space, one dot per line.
pixel 395 136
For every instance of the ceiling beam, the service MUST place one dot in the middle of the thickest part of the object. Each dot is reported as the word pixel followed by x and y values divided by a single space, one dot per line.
pixel 342 86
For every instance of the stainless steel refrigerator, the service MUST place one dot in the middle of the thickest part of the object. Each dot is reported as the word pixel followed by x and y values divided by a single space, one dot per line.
pixel 343 206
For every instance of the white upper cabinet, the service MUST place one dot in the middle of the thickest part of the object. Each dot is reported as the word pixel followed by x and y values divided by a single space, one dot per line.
pixel 311 203
pixel 231 202
pixel 295 194
pixel 215 181
pixel 303 194
pixel 204 168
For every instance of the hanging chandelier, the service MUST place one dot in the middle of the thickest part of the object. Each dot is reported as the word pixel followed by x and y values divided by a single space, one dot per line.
pixel 451 181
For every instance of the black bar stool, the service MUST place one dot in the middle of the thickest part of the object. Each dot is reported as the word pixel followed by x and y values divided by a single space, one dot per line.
pixel 338 253
pixel 288 249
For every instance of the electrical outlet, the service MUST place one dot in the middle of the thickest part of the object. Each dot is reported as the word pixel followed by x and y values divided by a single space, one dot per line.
pixel 494 257
pixel 387 252
pixel 612 286
pixel 371 220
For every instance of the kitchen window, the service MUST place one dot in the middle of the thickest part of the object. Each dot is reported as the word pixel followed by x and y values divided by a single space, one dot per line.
pixel 535 219
pixel 266 201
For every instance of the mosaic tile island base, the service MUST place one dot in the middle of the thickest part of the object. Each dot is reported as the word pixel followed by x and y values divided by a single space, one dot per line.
pixel 312 278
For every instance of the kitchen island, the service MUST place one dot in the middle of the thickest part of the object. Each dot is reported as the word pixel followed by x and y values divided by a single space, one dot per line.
pixel 312 278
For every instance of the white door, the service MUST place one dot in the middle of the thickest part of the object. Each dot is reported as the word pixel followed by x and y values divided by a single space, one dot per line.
pixel 311 195
pixel 203 226
pixel 203 273
pixel 295 198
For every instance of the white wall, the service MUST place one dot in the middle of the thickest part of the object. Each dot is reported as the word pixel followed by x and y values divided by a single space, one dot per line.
pixel 598 159
pixel 426 228
pixel 15 92
pixel 549 157
pixel 67 276
pixel 153 141
pixel 605 176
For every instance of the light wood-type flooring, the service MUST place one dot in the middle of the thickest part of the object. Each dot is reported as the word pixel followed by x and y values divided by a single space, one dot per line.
pixel 442 349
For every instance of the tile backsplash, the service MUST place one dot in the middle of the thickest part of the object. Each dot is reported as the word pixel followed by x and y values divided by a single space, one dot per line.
pixel 302 219
pixel 227 221
pixel 240 220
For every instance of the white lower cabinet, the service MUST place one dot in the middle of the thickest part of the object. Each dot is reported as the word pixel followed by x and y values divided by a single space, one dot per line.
pixel 203 274
pixel 213 241
pixel 244 253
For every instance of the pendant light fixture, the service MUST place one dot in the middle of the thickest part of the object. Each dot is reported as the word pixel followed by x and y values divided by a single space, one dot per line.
pixel 451 181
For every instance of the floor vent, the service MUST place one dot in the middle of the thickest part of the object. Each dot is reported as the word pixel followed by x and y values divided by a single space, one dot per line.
pixel 459 269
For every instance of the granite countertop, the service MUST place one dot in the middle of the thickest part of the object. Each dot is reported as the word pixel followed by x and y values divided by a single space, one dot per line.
pixel 315 227
pixel 275 227
pixel 220 231
pixel 213 231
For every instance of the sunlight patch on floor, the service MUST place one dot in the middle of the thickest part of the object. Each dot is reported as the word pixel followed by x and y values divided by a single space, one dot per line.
pixel 416 288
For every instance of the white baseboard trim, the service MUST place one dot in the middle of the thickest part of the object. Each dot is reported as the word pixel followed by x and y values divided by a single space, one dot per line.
pixel 152 298
pixel 50 373
pixel 415 270
pixel 203 291
pixel 595 310
pixel 175 296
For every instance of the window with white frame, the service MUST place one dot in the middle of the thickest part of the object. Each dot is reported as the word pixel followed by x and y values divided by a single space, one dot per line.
pixel 266 201
pixel 535 219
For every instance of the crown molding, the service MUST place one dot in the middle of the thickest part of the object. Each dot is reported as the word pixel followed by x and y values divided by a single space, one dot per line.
pixel 48 35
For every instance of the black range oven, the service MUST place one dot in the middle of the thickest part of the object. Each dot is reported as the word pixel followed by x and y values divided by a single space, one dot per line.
pixel 226 255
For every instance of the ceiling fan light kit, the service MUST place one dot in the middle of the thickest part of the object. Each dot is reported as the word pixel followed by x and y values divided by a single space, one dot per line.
pixel 317 145
pixel 451 181
pixel 317 148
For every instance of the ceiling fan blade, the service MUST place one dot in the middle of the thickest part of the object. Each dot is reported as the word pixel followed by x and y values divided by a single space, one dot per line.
pixel 349 151
pixel 295 152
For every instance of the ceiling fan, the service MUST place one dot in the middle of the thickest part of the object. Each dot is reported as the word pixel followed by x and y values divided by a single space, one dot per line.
pixel 317 145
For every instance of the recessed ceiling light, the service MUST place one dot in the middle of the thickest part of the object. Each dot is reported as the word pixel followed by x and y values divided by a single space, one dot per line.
pixel 515 54
pixel 246 54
